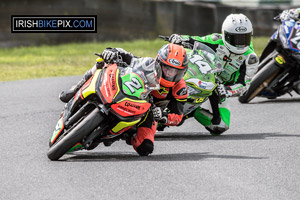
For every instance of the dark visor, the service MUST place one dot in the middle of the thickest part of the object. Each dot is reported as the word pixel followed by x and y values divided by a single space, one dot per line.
pixel 238 40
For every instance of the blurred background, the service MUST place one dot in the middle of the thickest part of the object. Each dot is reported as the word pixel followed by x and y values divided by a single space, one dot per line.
pixel 120 20
pixel 133 25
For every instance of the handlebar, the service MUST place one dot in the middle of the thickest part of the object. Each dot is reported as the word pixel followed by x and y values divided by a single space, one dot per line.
pixel 276 18
pixel 98 54
pixel 118 61
pixel 184 44
pixel 165 38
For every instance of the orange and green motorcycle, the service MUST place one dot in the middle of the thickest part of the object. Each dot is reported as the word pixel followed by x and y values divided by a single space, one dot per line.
pixel 110 103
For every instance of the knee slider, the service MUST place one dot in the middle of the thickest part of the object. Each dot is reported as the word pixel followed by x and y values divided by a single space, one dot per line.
pixel 145 148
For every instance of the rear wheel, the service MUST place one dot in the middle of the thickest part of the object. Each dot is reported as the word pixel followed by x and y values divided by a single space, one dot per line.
pixel 260 81
pixel 68 140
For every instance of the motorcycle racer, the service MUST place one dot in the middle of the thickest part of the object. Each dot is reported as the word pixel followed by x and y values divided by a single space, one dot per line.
pixel 235 49
pixel 172 60
pixel 286 15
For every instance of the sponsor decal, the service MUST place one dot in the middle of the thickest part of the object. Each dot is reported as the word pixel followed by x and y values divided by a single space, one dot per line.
pixel 288 23
pixel 182 91
pixel 198 100
pixel 126 110
pixel 113 80
pixel 279 59
pixel 241 29
pixel 174 62
pixel 203 85
pixel 132 105
pixel 163 92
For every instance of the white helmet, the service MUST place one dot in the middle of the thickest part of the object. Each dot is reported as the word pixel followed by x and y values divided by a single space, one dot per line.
pixel 236 33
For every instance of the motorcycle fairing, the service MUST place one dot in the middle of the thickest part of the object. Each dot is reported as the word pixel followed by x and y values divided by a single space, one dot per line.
pixel 133 85
pixel 294 39
pixel 292 33
pixel 196 100
pixel 275 35
pixel 201 85
pixel 121 127
pixel 199 78
pixel 58 129
pixel 109 84
pixel 199 91
pixel 90 86
pixel 129 107
pixel 75 147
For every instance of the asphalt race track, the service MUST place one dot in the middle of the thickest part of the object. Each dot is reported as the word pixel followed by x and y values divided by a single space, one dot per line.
pixel 258 158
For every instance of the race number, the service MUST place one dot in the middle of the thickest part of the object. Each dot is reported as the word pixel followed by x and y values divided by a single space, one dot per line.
pixel 295 40
pixel 204 67
pixel 133 85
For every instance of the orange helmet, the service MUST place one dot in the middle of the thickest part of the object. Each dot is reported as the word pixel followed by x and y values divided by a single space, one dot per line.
pixel 173 61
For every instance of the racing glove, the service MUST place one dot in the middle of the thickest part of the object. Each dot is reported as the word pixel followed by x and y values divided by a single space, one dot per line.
pixel 175 39
pixel 222 92
pixel 237 89
pixel 109 54
pixel 160 115
pixel 290 14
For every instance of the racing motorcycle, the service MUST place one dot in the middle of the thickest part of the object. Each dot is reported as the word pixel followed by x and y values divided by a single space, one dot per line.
pixel 107 106
pixel 200 77
pixel 279 68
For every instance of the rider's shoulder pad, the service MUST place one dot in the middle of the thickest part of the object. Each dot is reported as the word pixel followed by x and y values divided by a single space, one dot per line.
pixel 179 90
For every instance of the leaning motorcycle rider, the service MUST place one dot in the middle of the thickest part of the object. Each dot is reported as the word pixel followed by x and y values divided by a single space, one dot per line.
pixel 173 61
pixel 235 49
pixel 286 15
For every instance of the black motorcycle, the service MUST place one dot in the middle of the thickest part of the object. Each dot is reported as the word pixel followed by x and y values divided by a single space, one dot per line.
pixel 279 68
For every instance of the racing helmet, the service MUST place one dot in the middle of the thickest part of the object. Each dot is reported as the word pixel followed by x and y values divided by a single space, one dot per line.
pixel 295 13
pixel 173 61
pixel 236 33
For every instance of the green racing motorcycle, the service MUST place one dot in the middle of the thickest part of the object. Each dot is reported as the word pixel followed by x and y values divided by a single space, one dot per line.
pixel 200 78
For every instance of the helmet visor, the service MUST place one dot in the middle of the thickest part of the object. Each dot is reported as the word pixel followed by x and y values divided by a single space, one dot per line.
pixel 238 40
pixel 154 79
pixel 172 74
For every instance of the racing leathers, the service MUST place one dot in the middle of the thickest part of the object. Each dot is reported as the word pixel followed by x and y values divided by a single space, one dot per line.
pixel 236 77
pixel 174 97
pixel 143 140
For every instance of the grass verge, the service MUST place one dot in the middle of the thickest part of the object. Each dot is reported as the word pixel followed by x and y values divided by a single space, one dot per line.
pixel 72 59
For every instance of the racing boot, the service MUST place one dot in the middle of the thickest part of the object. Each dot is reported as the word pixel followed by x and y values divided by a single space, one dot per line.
pixel 66 95
pixel 215 125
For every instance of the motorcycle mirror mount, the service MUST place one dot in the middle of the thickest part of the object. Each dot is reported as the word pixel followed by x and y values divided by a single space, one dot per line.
pixel 98 54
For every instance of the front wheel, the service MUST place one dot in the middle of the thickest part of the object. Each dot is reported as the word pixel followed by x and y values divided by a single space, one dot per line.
pixel 260 81
pixel 85 127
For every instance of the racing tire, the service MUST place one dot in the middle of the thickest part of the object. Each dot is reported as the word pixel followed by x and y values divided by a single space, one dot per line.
pixel 82 129
pixel 260 81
